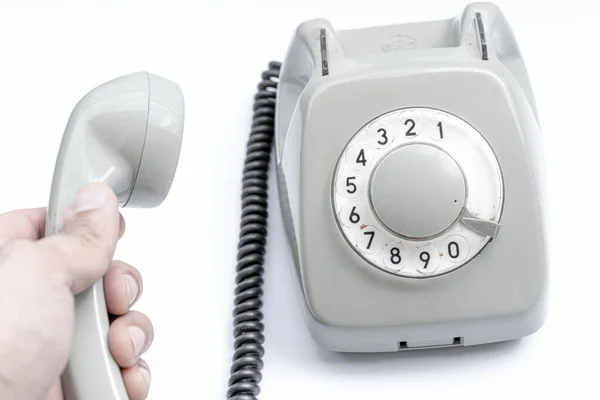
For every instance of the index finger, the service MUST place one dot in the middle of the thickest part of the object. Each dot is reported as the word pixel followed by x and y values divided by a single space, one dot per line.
pixel 26 224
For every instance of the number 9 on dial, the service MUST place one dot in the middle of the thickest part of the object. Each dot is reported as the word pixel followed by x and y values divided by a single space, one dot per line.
pixel 426 259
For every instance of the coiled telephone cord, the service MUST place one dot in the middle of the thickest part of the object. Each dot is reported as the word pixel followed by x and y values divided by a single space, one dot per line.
pixel 247 315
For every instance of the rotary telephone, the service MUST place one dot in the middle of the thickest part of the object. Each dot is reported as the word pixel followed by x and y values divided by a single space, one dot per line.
pixel 409 170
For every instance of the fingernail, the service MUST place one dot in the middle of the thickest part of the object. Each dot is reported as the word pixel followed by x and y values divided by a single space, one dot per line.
pixel 90 197
pixel 145 372
pixel 132 289
pixel 138 339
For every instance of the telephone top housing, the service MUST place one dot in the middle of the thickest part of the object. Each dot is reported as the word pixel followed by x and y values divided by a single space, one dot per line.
pixel 410 176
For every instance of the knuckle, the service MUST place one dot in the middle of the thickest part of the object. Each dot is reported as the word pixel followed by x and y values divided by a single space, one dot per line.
pixel 94 244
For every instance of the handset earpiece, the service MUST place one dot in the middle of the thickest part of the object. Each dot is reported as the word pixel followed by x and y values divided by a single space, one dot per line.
pixel 126 133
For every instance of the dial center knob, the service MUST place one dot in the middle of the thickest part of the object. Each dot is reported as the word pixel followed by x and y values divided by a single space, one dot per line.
pixel 418 191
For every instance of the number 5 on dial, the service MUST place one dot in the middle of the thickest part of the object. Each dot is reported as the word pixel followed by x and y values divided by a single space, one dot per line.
pixel 349 185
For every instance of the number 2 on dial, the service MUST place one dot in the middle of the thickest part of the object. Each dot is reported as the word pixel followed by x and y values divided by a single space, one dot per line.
pixel 411 125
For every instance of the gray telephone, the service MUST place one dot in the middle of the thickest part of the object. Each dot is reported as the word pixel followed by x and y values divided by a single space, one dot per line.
pixel 409 171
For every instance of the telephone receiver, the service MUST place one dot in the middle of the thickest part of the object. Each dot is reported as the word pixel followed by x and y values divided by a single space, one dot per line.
pixel 126 133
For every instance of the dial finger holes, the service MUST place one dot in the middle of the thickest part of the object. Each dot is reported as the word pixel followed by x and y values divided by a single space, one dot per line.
pixel 456 248
pixel 396 256
pixel 381 135
pixel 438 126
pixel 359 157
pixel 401 184
pixel 349 185
pixel 426 259
pixel 411 124
pixel 369 239
pixel 353 215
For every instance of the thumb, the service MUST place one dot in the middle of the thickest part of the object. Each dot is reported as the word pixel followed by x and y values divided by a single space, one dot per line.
pixel 83 251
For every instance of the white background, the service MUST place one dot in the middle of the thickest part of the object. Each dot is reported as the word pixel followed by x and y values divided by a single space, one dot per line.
pixel 52 54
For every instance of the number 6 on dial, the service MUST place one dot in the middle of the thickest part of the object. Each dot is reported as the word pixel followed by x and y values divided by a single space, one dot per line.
pixel 353 215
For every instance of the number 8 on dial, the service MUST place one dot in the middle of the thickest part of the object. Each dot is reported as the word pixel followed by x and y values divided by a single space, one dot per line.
pixel 396 255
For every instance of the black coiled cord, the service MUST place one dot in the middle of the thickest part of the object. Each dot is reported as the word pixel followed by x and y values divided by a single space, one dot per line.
pixel 248 327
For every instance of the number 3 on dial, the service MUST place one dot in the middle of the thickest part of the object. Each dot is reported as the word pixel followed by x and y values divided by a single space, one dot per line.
pixel 381 135
pixel 384 139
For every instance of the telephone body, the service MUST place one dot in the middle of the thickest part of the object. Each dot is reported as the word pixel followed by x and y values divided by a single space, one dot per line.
pixel 410 176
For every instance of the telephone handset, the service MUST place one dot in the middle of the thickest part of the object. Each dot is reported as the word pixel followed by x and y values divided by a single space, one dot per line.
pixel 409 173
pixel 126 133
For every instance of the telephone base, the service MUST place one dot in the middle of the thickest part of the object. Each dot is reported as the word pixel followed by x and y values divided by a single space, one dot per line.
pixel 430 336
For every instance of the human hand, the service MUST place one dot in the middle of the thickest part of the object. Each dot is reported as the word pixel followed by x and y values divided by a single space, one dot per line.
pixel 38 280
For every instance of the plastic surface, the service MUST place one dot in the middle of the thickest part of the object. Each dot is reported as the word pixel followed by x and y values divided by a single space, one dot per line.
pixel 418 191
pixel 350 306
pixel 112 136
